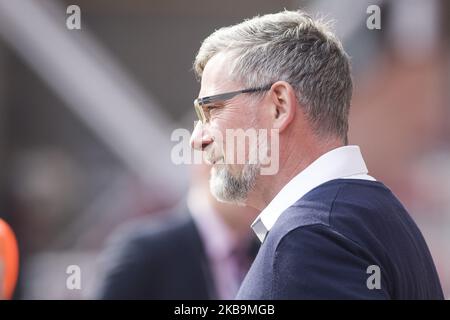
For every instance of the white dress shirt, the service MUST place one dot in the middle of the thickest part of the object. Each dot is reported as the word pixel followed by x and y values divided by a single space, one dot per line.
pixel 340 163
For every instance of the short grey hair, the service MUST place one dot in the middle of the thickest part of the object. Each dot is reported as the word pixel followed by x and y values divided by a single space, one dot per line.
pixel 293 47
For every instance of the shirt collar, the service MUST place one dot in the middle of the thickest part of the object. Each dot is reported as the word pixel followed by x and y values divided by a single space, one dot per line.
pixel 342 162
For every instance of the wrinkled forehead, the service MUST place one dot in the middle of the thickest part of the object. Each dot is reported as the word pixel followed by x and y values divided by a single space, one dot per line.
pixel 216 78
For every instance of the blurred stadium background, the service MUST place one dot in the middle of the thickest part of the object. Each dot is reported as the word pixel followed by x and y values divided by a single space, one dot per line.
pixel 86 117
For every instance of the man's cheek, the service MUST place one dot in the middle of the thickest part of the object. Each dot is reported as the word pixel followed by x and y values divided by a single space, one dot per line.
pixel 218 140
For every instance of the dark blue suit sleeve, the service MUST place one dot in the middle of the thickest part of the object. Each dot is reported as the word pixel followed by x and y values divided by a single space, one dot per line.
pixel 316 262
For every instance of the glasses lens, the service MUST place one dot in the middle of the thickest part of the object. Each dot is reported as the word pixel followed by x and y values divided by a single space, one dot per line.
pixel 199 111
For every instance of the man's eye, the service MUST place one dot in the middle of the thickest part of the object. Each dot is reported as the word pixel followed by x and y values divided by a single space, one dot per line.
pixel 211 109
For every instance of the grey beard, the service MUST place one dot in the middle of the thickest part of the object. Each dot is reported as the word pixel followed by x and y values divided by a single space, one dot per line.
pixel 227 188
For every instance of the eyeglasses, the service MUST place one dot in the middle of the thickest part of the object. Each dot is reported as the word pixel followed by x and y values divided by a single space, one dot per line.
pixel 203 105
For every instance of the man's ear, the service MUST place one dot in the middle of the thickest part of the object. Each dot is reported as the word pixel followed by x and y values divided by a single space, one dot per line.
pixel 285 105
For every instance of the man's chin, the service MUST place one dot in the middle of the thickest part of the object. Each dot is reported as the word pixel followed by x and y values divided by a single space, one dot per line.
pixel 230 188
pixel 223 186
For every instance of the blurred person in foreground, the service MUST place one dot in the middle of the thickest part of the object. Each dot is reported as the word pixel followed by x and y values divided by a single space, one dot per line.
pixel 201 251
pixel 328 229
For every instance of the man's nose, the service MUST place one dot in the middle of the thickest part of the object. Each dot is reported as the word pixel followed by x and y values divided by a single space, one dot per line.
pixel 200 138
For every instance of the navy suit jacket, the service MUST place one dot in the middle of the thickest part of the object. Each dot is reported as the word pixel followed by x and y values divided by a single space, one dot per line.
pixel 322 247
pixel 148 260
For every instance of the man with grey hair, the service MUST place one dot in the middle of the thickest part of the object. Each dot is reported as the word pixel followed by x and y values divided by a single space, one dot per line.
pixel 328 229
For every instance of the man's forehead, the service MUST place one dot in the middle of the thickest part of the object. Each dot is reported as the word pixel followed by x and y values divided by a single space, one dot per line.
pixel 216 76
